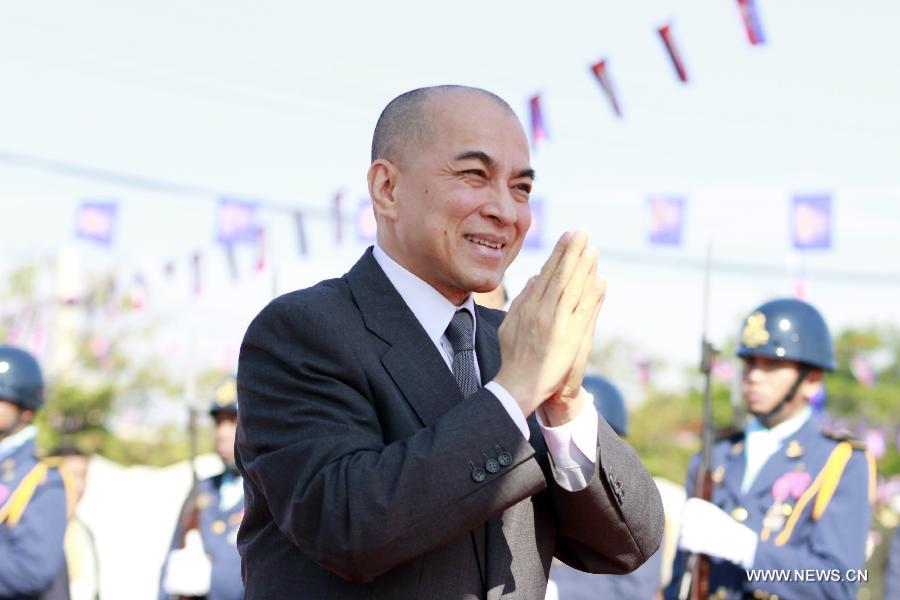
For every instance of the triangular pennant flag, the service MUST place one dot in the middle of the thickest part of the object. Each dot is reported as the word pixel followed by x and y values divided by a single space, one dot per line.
pixel 301 233
pixel 197 283
pixel 750 17
pixel 665 32
pixel 538 128
pixel 338 219
pixel 599 69
pixel 260 248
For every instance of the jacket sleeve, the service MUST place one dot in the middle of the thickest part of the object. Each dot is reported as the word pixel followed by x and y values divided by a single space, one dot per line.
pixel 835 544
pixel 310 442
pixel 31 552
pixel 616 523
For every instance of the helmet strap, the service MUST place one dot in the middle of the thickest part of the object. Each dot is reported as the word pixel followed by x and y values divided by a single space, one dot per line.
pixel 766 417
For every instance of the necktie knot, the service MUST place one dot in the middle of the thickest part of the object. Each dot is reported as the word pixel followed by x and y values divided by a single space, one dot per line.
pixel 459 331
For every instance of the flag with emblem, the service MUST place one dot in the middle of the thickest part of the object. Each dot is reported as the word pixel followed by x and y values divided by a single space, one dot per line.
pixel 665 33
pixel 811 221
pixel 752 24
pixel 862 370
pixel 236 221
pixel 601 73
pixel 666 220
pixel 96 221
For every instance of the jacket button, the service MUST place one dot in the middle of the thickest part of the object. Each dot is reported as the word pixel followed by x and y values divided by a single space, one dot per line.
pixel 490 464
pixel 478 474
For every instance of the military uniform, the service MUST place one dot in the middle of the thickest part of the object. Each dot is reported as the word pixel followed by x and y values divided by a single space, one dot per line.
pixel 215 510
pixel 803 493
pixel 218 527
pixel 810 505
pixel 892 572
pixel 33 506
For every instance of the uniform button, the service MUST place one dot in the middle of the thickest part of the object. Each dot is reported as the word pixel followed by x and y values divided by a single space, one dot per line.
pixel 739 514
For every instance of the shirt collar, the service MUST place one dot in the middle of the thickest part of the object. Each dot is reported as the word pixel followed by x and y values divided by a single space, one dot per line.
pixel 784 430
pixel 16 440
pixel 430 307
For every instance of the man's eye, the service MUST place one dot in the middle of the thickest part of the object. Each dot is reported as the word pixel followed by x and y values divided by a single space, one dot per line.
pixel 476 173
pixel 525 187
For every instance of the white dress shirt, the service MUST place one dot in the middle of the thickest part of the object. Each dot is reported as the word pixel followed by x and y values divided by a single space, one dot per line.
pixel 572 445
pixel 761 443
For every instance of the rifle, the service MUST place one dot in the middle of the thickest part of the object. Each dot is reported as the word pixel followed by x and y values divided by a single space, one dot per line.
pixel 695 580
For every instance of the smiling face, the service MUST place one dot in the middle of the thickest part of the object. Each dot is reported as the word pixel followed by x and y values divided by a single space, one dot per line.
pixel 454 209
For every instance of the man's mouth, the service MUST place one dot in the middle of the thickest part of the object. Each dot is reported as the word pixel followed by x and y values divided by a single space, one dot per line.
pixel 484 242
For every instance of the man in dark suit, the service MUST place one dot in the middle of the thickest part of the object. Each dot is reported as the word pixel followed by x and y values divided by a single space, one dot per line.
pixel 395 440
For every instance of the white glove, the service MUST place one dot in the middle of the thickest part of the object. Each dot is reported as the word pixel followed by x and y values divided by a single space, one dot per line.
pixel 188 570
pixel 707 529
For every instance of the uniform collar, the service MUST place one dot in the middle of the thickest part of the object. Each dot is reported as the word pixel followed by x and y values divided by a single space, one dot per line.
pixel 431 309
pixel 15 441
pixel 782 431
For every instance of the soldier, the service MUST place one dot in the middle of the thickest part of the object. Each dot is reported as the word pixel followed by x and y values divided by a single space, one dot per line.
pixel 892 572
pixel 567 583
pixel 33 510
pixel 208 564
pixel 791 499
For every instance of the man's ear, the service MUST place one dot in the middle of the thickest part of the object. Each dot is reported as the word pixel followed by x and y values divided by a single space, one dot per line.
pixel 812 383
pixel 382 177
pixel 26 417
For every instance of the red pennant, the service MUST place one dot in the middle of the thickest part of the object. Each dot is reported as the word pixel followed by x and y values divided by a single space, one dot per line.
pixel 538 129
pixel 260 248
pixel 600 72
pixel 665 32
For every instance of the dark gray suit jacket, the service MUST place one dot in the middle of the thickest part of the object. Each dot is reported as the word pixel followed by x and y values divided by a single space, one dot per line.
pixel 357 451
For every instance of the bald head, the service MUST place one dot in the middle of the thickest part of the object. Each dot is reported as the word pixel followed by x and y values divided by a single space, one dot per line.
pixel 406 122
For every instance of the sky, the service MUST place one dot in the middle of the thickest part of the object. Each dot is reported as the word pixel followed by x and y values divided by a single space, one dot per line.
pixel 276 102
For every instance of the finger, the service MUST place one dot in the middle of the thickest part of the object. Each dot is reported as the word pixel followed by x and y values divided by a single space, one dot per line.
pixel 551 264
pixel 585 271
pixel 560 279
pixel 527 291
pixel 590 300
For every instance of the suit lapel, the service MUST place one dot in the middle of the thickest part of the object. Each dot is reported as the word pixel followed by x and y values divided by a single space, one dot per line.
pixel 412 361
pixel 487 346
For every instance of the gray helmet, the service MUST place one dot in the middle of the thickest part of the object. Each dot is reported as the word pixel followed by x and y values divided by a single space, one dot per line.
pixel 609 402
pixel 21 381
pixel 787 329
pixel 224 397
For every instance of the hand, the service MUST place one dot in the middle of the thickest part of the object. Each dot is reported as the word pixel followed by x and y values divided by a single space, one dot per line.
pixel 543 333
pixel 707 529
pixel 567 402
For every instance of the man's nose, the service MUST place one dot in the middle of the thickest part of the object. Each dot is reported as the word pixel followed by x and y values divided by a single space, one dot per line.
pixel 502 207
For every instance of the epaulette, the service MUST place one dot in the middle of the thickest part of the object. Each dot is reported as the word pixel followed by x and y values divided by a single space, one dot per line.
pixel 731 434
pixel 844 435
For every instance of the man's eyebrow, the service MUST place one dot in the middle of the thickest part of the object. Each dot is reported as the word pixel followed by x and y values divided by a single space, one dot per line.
pixel 489 162
pixel 478 155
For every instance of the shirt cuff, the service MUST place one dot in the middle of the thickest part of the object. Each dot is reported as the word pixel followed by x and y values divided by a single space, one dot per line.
pixel 573 446
pixel 511 406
